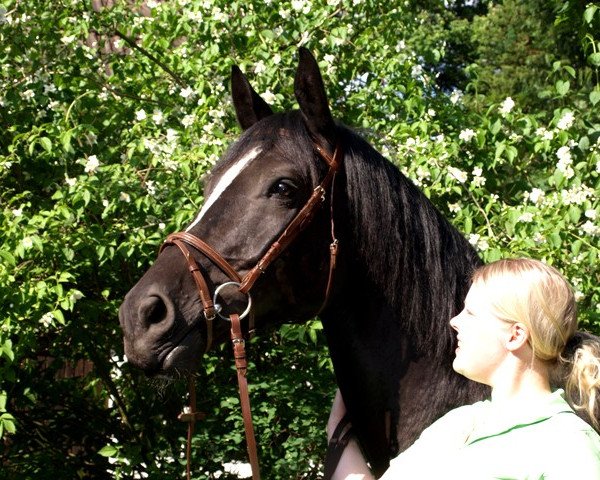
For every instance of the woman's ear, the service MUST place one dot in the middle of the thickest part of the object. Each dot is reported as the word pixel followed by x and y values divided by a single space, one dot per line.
pixel 519 336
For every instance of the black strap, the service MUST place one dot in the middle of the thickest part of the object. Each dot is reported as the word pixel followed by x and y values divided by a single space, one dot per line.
pixel 340 438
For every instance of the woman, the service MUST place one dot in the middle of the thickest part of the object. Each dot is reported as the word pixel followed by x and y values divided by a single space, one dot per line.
pixel 517 335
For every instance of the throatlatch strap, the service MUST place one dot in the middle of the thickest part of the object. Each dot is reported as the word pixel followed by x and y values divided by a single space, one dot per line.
pixel 241 365
pixel 340 438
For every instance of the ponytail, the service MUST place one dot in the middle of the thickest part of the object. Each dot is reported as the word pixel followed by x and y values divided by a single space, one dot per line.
pixel 580 366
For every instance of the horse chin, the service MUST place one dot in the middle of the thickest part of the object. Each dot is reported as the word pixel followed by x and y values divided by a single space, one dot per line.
pixel 176 361
pixel 180 361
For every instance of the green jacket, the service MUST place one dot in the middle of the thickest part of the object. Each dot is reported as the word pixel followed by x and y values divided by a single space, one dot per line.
pixel 495 440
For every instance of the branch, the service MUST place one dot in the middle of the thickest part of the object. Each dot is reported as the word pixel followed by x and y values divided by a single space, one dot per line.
pixel 147 54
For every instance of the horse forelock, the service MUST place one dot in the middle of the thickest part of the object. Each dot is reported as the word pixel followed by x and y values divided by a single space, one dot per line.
pixel 415 257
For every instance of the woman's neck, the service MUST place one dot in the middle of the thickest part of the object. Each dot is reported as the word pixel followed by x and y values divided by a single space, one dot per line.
pixel 521 382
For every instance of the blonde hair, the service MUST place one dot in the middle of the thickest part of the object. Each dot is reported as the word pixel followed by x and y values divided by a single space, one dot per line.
pixel 537 295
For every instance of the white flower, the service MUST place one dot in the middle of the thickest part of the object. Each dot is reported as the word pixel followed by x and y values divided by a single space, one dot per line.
pixel 590 228
pixel 17 212
pixel 591 214
pixel 285 14
pixel 27 242
pixel 140 115
pixel 68 39
pixel 478 242
pixel 242 470
pixel 478 178
pixel 162 226
pixel 49 88
pixel 70 181
pixel 526 217
pixel 564 154
pixel 566 121
pixel 456 96
pixel 458 174
pixel 454 207
pixel 124 197
pixel 172 135
pixel 535 196
pixel 579 296
pixel 474 238
pixel 105 203
pixel 150 187
pixel 564 162
pixel 507 105
pixel 483 245
pixel 188 120
pixel 260 67
pixel 157 117
pixel 299 5
pixel 431 112
pixel 92 164
pixel 46 319
pixel 576 195
pixel 186 92
pixel 416 71
pixel 28 94
pixel 268 96
pixel 544 133
pixel 466 135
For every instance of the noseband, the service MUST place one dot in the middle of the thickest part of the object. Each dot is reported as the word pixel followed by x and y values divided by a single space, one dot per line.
pixel 184 239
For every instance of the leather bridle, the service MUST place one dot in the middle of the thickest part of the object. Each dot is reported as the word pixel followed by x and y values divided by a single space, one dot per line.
pixel 183 240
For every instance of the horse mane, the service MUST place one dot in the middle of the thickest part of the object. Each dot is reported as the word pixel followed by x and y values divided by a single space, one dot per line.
pixel 411 253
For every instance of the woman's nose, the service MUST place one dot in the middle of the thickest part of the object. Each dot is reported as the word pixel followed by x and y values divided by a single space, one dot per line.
pixel 454 322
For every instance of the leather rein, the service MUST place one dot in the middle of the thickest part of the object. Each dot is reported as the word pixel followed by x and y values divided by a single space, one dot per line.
pixel 183 240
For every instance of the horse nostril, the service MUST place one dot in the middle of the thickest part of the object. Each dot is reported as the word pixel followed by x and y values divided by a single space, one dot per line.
pixel 152 310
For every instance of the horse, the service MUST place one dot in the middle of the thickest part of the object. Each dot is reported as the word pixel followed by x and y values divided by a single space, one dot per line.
pixel 399 272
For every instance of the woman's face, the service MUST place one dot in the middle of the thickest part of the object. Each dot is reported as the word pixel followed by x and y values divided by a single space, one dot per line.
pixel 482 337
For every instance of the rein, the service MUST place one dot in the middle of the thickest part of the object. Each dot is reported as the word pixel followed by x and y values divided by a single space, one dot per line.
pixel 210 307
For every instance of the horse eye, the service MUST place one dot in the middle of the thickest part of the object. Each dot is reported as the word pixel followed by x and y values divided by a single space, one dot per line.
pixel 283 188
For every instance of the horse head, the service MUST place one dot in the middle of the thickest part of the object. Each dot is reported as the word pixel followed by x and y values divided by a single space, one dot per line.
pixel 251 196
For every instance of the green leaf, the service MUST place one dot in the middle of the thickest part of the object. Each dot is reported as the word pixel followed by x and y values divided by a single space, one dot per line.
pixel 500 147
pixel 46 144
pixel 108 451
pixel 58 314
pixel 595 97
pixel 574 213
pixel 562 87
pixel 495 128
pixel 594 59
pixel 588 15
pixel 8 257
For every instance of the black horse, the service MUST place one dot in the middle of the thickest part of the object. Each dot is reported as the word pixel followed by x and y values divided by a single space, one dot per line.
pixel 401 273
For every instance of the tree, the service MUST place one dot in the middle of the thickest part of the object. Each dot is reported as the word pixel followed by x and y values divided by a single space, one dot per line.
pixel 112 112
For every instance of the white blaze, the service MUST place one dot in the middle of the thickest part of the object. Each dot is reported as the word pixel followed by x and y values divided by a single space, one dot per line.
pixel 224 182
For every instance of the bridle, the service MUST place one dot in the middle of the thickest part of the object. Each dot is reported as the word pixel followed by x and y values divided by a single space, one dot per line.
pixel 183 240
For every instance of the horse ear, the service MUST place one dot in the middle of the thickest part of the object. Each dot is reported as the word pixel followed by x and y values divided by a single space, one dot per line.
pixel 249 106
pixel 310 93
